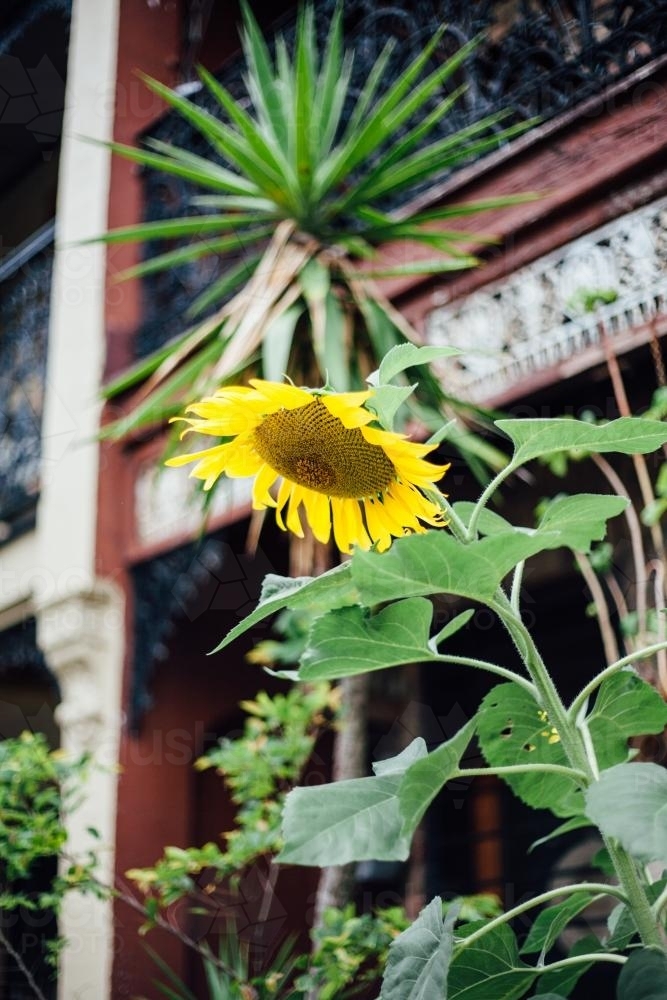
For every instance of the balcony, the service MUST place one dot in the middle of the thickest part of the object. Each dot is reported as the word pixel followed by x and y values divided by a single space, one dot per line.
pixel 536 58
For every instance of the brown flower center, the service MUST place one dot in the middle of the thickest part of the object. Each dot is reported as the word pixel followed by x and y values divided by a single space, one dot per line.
pixel 311 447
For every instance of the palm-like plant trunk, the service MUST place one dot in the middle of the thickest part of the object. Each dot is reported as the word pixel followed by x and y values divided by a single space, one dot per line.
pixel 308 558
pixel 349 761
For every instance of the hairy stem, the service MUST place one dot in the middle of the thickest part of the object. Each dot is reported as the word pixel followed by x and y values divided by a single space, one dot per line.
pixel 613 668
pixel 547 694
pixel 596 956
pixel 575 751
pixel 481 772
pixel 492 668
pixel 600 888
pixel 517 580
pixel 510 468
pixel 638 902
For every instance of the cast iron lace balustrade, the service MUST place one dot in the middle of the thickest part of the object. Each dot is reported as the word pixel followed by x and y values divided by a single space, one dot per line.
pixel 25 288
pixel 536 57
pixel 531 322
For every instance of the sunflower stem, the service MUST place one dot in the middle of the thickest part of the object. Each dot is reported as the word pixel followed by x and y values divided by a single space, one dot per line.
pixel 457 526
pixel 511 467
pixel 574 748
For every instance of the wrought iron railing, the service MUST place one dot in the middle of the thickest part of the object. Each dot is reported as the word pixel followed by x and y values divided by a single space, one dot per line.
pixel 535 57
pixel 25 288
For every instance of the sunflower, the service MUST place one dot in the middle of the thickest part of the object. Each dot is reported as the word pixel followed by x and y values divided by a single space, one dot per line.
pixel 365 482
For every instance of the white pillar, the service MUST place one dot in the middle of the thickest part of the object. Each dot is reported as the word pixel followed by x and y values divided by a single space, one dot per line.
pixel 79 618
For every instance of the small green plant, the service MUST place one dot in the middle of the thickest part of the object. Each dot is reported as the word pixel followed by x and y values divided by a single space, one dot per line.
pixel 39 789
pixel 228 975
pixel 259 769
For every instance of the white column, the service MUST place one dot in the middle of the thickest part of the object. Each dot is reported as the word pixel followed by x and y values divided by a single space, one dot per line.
pixel 79 618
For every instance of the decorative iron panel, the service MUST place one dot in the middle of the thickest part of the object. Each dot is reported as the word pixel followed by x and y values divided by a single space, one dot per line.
pixel 25 288
pixel 18 15
pixel 530 321
pixel 536 57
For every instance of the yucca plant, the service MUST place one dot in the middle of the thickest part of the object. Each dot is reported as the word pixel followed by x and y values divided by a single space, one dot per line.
pixel 296 189
pixel 228 975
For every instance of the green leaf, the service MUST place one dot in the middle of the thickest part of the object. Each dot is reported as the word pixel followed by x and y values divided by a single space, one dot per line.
pixel 582 519
pixel 353 820
pixel 419 958
pixel 579 520
pixel 168 396
pixel 394 108
pixel 552 921
pixel 234 146
pixel 264 147
pixel 192 225
pixel 435 266
pixel 315 279
pixel 277 343
pixel 575 823
pixel 452 627
pixel 369 818
pixel 563 981
pixel 626 435
pixel 625 706
pixel 330 590
pixel 335 354
pixel 489 522
pixel 193 251
pixel 621 922
pixel 387 400
pixel 144 368
pixel 436 563
pixel 629 802
pixel 622 928
pixel 224 285
pixel 644 976
pixel 489 968
pixel 196 169
pixel 410 356
pixel 352 641
pixel 513 729
pixel 424 779
pixel 420 565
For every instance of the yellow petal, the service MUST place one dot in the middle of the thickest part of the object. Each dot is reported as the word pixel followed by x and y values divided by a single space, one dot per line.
pixel 283 496
pixel 376 524
pixel 348 407
pixel 281 395
pixel 399 511
pixel 418 504
pixel 219 451
pixel 418 472
pixel 318 514
pixel 264 480
pixel 293 520
pixel 347 525
pixel 243 460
